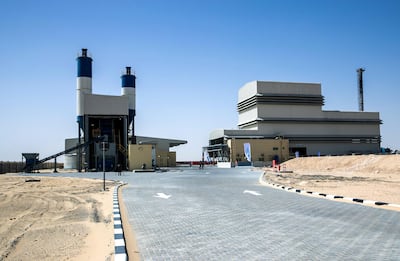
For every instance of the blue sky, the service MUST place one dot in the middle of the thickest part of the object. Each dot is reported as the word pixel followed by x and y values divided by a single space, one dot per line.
pixel 190 58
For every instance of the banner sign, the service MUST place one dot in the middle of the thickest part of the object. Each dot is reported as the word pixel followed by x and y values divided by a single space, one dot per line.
pixel 207 156
pixel 247 151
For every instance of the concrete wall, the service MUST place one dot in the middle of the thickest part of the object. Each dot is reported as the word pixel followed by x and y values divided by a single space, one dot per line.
pixel 172 159
pixel 105 105
pixel 318 129
pixel 289 111
pixel 329 148
pixel 165 158
pixel 247 91
pixel 263 150
pixel 248 116
pixel 288 88
pixel 279 111
pixel 252 88
pixel 139 155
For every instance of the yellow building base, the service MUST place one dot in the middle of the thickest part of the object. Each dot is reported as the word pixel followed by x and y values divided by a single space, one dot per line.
pixel 147 156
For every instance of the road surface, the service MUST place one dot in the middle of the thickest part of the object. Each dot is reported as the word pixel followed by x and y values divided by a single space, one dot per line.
pixel 225 214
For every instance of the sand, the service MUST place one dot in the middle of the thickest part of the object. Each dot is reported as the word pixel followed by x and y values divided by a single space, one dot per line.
pixel 45 218
pixel 370 177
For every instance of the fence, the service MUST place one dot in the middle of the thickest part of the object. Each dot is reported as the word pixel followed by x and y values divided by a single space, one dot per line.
pixel 15 167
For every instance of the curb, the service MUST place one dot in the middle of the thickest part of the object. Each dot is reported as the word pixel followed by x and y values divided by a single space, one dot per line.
pixel 328 196
pixel 119 240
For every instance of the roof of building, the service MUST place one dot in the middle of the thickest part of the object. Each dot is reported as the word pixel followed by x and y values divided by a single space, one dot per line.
pixel 153 140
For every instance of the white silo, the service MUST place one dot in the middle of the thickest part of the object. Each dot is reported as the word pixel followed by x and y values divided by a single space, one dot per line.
pixel 128 84
pixel 83 84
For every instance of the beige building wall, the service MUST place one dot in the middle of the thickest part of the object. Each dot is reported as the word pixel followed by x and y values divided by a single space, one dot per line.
pixel 262 150
pixel 139 155
pixel 172 159
pixel 165 158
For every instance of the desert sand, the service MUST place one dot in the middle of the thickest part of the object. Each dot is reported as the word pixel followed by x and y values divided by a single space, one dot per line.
pixel 369 177
pixel 45 218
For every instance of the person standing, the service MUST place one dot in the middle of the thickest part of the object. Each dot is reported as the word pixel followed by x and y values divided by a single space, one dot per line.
pixel 119 169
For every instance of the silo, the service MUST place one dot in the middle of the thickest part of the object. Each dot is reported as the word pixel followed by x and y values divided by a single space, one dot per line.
pixel 70 161
pixel 128 83
pixel 83 87
pixel 83 84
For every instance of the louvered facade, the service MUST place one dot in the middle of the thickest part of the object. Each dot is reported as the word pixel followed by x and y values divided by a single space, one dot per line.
pixel 293 111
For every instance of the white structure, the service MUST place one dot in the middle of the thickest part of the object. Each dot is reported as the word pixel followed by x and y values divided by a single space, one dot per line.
pixel 293 111
pixel 109 117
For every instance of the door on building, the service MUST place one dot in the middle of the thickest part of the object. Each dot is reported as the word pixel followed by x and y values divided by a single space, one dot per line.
pixel 298 152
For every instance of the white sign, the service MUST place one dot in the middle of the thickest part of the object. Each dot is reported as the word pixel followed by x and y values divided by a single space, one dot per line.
pixel 247 151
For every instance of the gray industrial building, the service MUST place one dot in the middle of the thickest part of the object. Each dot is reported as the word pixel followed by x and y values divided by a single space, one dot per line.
pixel 293 112
pixel 106 137
pixel 111 119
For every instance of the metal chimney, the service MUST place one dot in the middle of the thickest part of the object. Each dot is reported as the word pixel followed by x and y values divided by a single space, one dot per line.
pixel 84 52
pixel 360 89
pixel 128 89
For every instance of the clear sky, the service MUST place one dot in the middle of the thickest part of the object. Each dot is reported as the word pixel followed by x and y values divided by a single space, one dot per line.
pixel 190 58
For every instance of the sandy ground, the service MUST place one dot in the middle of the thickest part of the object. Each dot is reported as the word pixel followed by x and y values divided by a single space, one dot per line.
pixel 371 177
pixel 45 218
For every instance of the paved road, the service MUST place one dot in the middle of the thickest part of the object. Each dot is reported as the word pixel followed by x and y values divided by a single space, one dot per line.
pixel 224 214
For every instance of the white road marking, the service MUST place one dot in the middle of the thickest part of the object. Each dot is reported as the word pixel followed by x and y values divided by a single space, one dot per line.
pixel 252 192
pixel 162 195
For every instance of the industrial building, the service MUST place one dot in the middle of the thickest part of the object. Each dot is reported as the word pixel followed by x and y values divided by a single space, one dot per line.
pixel 278 120
pixel 106 129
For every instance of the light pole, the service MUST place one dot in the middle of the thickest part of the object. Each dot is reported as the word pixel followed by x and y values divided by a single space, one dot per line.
pixel 104 147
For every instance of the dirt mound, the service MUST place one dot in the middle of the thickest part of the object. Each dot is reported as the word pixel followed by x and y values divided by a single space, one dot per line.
pixel 366 164
pixel 372 177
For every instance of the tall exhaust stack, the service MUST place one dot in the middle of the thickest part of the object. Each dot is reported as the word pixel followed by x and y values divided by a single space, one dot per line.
pixel 83 84
pixel 360 89
pixel 83 87
pixel 128 82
